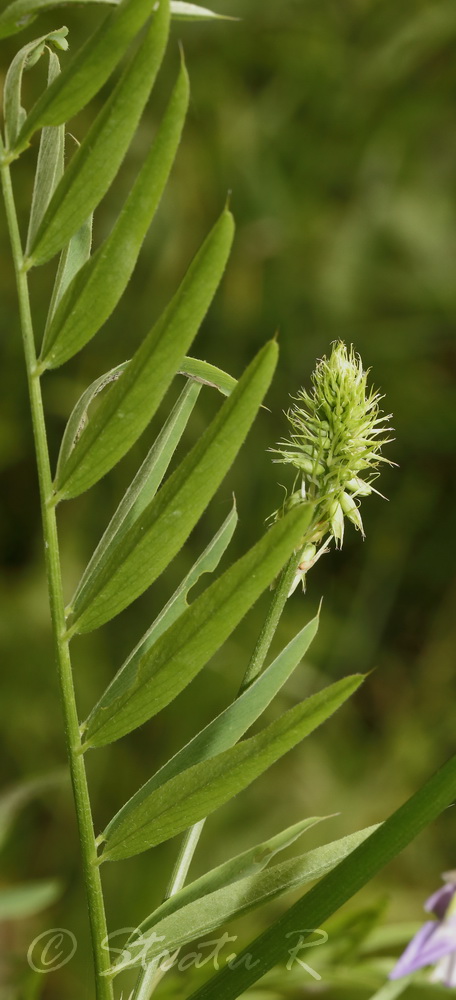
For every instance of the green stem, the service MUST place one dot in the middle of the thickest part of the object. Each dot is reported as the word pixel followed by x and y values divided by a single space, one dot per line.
pixel 278 601
pixel 73 742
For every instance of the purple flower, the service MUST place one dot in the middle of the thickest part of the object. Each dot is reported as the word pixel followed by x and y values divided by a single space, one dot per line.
pixel 435 942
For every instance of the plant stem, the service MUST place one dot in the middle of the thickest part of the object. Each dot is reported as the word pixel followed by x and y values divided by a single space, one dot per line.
pixel 278 601
pixel 72 735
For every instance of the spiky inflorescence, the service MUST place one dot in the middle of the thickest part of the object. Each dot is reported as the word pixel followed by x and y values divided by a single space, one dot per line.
pixel 337 432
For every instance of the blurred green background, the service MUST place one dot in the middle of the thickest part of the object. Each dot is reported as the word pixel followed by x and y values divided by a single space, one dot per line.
pixel 333 124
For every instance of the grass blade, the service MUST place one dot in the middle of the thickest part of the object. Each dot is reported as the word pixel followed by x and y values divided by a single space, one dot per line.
pixel 133 399
pixel 383 845
pixel 197 792
pixel 148 682
pixel 160 532
pixel 96 162
pixel 97 288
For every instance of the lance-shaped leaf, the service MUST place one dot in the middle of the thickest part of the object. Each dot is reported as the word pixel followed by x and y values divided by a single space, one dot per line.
pixel 231 724
pixel 178 602
pixel 150 474
pixel 249 862
pixel 147 682
pixel 19 14
pixel 13 112
pixel 193 920
pixel 98 158
pixel 193 12
pixel 88 70
pixel 72 258
pixel 20 901
pixel 316 906
pixel 200 372
pixel 197 792
pixel 98 286
pixel 50 163
pixel 133 399
pixel 167 521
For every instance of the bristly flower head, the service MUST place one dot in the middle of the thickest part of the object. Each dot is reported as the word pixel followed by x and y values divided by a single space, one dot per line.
pixel 337 432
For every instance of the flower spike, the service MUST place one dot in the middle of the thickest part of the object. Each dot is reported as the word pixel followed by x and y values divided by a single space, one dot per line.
pixel 337 431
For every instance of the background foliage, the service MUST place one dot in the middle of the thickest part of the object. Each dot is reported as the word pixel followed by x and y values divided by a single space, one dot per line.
pixel 333 125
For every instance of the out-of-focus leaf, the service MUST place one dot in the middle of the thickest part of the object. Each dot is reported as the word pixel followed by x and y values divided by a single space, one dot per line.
pixel 98 158
pixel 197 792
pixel 13 112
pixel 19 901
pixel 166 523
pixel 392 990
pixel 14 799
pixel 21 13
pixel 231 724
pixel 250 862
pixel 98 286
pixel 133 399
pixel 50 163
pixel 313 909
pixel 147 682
pixel 148 478
pixel 193 920
pixel 87 71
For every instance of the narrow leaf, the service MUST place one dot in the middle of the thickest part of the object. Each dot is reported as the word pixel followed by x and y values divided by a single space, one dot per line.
pixel 20 901
pixel 97 288
pixel 167 521
pixel 231 724
pixel 88 70
pixel 147 682
pixel 148 478
pixel 201 916
pixel 250 862
pixel 72 258
pixel 193 12
pixel 178 602
pixel 133 399
pixel 313 909
pixel 96 162
pixel 208 374
pixel 197 792
pixel 13 112
pixel 21 13
pixel 49 168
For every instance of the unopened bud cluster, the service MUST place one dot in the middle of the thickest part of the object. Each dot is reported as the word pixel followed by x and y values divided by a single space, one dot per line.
pixel 337 432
